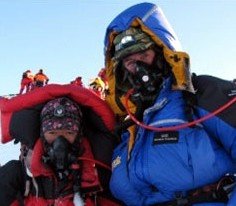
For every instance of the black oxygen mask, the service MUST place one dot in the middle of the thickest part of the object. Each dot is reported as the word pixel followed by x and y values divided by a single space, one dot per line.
pixel 146 82
pixel 59 155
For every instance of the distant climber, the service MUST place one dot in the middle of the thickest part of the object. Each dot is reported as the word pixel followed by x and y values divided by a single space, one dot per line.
pixel 98 86
pixel 103 76
pixel 26 81
pixel 77 81
pixel 40 79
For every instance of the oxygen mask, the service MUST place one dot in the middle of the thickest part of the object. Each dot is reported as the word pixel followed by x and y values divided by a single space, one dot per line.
pixel 59 155
pixel 146 82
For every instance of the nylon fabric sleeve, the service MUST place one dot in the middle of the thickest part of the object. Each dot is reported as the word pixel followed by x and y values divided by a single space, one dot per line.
pixel 11 182
pixel 123 190
pixel 232 200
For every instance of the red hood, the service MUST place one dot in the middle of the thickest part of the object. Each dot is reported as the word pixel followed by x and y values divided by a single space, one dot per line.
pixel 81 95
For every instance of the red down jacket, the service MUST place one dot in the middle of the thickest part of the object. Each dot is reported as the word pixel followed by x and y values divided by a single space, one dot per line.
pixel 100 120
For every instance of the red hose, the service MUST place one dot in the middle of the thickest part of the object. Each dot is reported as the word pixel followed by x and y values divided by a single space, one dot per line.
pixel 95 162
pixel 177 127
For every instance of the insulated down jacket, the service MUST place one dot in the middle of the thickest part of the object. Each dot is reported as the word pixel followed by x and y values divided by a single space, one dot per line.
pixel 20 120
pixel 163 166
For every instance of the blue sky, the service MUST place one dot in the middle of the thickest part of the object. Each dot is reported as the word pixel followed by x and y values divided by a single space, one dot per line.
pixel 65 38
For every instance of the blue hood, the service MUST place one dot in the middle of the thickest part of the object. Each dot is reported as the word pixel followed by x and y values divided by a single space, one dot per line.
pixel 152 17
pixel 151 20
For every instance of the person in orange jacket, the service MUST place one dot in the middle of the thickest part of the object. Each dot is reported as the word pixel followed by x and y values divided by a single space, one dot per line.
pixel 40 79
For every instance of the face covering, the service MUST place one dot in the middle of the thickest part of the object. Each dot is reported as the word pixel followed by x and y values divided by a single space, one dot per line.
pixel 146 81
pixel 59 155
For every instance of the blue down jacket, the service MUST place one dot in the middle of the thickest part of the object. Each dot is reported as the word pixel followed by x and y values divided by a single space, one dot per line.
pixel 158 170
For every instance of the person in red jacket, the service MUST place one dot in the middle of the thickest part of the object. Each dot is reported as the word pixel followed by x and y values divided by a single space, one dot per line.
pixel 77 81
pixel 55 170
pixel 26 82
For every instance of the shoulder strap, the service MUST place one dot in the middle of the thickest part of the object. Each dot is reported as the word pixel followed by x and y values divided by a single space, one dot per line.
pixel 212 93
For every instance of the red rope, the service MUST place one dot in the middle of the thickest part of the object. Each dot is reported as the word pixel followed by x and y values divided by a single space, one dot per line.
pixel 177 127
pixel 95 162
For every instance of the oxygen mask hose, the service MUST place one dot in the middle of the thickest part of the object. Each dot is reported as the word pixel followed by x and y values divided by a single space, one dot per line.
pixel 177 127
